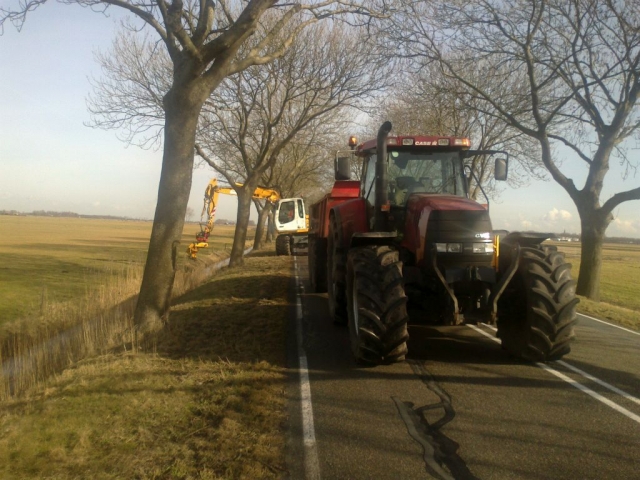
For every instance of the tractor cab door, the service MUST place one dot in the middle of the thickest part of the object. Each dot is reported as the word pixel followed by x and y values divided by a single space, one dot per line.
pixel 290 215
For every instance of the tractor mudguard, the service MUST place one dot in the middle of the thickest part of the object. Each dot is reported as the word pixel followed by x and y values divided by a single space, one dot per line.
pixel 351 218
pixel 525 239
pixel 362 239
pixel 510 246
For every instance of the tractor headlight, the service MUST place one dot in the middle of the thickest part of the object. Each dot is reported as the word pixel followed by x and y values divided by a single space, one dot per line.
pixel 448 247
pixel 483 248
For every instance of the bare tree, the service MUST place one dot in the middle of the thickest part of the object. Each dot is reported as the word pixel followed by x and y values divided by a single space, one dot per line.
pixel 188 214
pixel 254 116
pixel 426 101
pixel 203 39
pixel 301 171
pixel 565 73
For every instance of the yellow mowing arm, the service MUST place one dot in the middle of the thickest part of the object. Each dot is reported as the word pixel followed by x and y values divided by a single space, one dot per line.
pixel 269 194
pixel 211 194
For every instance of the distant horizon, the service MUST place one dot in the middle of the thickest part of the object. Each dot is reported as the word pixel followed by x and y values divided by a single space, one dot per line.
pixel 67 214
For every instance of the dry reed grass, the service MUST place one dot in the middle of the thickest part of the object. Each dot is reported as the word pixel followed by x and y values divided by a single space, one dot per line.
pixel 208 403
pixel 34 349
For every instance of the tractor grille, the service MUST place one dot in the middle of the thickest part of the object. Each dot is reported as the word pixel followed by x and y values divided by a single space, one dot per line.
pixel 457 226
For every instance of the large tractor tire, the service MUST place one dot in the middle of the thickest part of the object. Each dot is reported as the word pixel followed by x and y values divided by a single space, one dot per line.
pixel 377 305
pixel 336 273
pixel 283 245
pixel 537 312
pixel 318 264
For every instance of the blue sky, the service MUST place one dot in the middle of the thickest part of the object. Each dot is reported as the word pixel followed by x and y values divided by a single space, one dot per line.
pixel 50 161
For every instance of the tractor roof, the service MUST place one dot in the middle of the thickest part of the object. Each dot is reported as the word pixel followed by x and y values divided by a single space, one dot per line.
pixel 417 141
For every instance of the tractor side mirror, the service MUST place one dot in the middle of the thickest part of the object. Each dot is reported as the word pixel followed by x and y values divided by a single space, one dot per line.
pixel 343 168
pixel 500 169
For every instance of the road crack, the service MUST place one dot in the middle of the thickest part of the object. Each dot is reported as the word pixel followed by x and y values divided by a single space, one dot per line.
pixel 439 452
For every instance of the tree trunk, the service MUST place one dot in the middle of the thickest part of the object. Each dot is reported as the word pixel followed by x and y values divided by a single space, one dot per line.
pixel 181 117
pixel 258 241
pixel 271 225
pixel 593 229
pixel 242 223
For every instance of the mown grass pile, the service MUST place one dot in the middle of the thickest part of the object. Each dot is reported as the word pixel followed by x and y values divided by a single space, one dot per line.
pixel 207 403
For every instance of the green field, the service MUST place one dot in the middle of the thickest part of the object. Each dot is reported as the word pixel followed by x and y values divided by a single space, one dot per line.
pixel 619 283
pixel 620 276
pixel 56 259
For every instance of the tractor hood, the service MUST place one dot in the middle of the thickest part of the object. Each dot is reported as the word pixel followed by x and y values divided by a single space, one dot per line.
pixel 419 202
pixel 432 219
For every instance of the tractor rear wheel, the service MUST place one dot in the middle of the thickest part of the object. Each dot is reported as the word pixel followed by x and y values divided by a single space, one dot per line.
pixel 377 305
pixel 537 312
pixel 283 245
pixel 317 264
pixel 336 273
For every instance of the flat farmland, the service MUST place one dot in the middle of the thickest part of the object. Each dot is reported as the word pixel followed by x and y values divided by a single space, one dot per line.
pixel 58 259
pixel 620 276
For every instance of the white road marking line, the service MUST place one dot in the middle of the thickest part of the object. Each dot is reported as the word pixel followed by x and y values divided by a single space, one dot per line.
pixel 606 385
pixel 610 324
pixel 311 463
pixel 588 391
pixel 571 381
pixel 600 382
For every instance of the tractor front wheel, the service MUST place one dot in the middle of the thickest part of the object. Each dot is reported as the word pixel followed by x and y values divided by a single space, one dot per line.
pixel 537 312
pixel 376 305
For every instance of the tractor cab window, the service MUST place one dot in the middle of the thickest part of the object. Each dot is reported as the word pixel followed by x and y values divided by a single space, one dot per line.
pixel 300 209
pixel 287 211
pixel 437 172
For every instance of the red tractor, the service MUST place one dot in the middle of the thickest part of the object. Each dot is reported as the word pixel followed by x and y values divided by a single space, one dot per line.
pixel 408 234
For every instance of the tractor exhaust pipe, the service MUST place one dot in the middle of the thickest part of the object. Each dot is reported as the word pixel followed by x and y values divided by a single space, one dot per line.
pixel 381 211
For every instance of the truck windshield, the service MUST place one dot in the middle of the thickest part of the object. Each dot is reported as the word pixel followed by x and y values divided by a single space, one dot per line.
pixel 424 172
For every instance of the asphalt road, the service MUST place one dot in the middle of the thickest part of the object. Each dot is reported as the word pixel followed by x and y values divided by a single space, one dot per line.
pixel 459 407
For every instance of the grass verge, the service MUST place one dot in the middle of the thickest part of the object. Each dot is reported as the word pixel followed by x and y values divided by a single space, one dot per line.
pixel 208 403
pixel 619 283
pixel 611 313
pixel 48 261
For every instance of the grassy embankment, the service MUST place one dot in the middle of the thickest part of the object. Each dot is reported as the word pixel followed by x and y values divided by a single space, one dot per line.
pixel 69 289
pixel 208 403
pixel 619 283
pixel 46 261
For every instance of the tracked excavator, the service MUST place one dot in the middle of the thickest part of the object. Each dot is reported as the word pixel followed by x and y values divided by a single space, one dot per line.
pixel 211 194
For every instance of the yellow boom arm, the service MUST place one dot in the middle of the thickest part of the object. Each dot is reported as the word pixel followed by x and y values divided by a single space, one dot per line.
pixel 211 194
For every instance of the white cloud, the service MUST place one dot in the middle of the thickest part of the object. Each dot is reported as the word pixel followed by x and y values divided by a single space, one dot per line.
pixel 552 216
pixel 626 226
pixel 526 224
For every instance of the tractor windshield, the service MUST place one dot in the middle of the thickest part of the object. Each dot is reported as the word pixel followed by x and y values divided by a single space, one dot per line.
pixel 438 172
